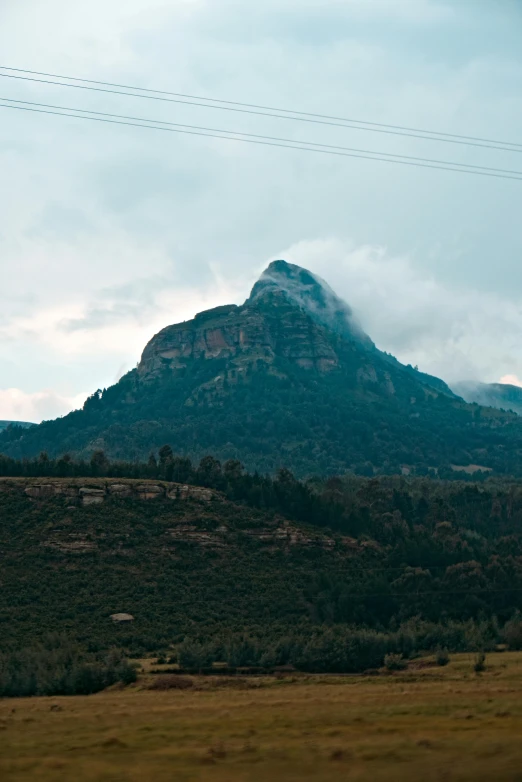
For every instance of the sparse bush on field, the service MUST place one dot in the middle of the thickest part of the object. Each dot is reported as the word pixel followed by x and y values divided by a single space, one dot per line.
pixel 193 654
pixel 442 657
pixel 480 662
pixel 171 682
pixel 395 662
pixel 512 633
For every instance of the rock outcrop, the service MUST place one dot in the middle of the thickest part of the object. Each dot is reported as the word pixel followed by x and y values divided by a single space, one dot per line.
pixel 76 493
pixel 269 324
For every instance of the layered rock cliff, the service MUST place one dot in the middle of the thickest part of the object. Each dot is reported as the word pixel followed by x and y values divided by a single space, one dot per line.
pixel 272 322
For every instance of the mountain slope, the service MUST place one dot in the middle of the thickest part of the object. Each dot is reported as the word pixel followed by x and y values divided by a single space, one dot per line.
pixel 500 395
pixel 191 560
pixel 289 378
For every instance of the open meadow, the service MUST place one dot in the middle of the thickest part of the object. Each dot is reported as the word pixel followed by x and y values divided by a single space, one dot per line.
pixel 426 723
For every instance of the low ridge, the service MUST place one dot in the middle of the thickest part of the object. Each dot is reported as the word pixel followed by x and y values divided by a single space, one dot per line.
pixel 503 396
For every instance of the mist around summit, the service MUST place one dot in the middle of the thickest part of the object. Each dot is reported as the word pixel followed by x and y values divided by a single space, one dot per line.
pixel 287 378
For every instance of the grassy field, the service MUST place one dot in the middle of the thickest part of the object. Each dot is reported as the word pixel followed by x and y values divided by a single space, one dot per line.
pixel 426 723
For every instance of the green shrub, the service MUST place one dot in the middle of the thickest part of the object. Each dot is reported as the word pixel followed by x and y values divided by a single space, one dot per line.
pixel 480 662
pixel 395 662
pixel 512 633
pixel 442 657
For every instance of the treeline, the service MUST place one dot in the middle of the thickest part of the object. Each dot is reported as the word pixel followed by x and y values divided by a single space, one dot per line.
pixel 57 666
pixel 325 503
pixel 343 649
pixel 284 493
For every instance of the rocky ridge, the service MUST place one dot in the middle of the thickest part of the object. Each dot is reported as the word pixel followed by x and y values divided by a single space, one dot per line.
pixel 291 314
pixel 270 323
pixel 83 492
pixel 187 528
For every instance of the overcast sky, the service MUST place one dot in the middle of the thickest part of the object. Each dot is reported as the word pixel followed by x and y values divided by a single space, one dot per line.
pixel 109 233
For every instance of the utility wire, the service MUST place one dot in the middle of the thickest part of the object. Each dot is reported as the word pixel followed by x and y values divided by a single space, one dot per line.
pixel 238 136
pixel 212 103
pixel 234 134
pixel 265 108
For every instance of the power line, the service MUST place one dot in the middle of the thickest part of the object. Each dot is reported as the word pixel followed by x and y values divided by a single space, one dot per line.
pixel 265 108
pixel 238 136
pixel 234 134
pixel 286 114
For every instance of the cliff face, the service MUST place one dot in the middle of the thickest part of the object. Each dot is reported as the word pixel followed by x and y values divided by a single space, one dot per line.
pixel 76 491
pixel 291 314
pixel 271 323
pixel 286 379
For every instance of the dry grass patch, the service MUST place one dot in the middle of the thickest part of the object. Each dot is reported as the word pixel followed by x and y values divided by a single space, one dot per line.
pixel 435 724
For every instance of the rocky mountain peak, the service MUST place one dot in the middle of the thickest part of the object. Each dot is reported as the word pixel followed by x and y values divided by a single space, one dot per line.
pixel 290 313
pixel 312 294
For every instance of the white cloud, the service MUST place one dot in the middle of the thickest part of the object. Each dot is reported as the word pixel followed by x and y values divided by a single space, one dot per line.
pixel 109 328
pixel 457 334
pixel 511 380
pixel 109 233
pixel 17 405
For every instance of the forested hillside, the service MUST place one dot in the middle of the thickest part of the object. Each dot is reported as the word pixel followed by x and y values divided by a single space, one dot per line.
pixel 229 555
pixel 286 380
pixel 6 424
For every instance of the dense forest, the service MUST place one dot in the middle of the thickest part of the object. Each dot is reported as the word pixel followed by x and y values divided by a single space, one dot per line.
pixel 324 574
pixel 313 426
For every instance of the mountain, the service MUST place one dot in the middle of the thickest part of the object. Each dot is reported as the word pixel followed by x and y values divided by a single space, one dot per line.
pixel 288 378
pixel 500 395
pixel 6 424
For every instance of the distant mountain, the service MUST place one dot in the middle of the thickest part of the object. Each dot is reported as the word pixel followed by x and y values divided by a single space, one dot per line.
pixel 500 395
pixel 6 424
pixel 287 379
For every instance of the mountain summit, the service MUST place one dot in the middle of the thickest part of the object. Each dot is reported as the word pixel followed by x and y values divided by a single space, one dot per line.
pixel 285 316
pixel 290 379
pixel 312 294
